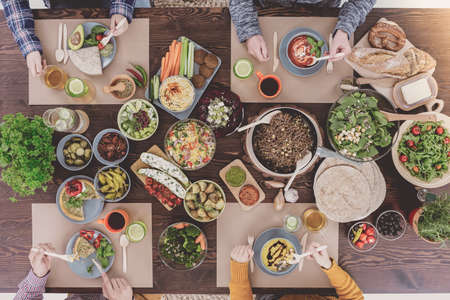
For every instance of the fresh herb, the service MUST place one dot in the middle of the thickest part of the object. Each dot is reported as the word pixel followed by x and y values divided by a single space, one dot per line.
pixel 89 269
pixel 77 201
pixel 358 128
pixel 424 150
pixel 434 223
pixel 26 153
pixel 179 246
pixel 104 251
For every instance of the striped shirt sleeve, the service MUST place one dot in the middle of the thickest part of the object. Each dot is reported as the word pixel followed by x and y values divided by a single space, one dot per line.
pixel 32 287
pixel 20 20
pixel 122 7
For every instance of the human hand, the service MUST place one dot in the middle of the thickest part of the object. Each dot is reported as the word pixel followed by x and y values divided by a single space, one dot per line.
pixel 256 46
pixel 242 254
pixel 115 19
pixel 35 63
pixel 321 257
pixel 340 44
pixel 41 263
pixel 116 288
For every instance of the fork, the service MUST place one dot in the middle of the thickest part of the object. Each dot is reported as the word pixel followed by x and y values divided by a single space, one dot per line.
pixel 330 63
pixel 67 257
pixel 251 240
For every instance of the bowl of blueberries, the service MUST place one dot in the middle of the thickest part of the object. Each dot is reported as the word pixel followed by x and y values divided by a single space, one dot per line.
pixel 391 225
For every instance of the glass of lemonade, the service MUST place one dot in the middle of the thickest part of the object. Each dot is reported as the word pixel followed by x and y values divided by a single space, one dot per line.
pixel 54 77
pixel 81 90
pixel 291 223
pixel 66 120
pixel 314 220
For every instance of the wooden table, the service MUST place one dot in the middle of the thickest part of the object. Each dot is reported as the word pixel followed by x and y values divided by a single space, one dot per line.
pixel 407 266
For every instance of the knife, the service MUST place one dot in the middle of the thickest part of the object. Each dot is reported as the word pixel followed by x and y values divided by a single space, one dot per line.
pixel 303 242
pixel 66 54
pixel 275 58
pixel 98 266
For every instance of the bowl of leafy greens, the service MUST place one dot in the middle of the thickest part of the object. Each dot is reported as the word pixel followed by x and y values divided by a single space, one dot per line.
pixel 356 127
pixel 182 246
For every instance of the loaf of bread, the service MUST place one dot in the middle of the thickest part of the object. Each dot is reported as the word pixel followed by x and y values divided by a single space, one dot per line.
pixel 392 64
pixel 389 36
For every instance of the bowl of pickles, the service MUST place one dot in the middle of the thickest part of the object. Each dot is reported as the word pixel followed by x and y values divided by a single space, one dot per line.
pixel 74 152
pixel 112 183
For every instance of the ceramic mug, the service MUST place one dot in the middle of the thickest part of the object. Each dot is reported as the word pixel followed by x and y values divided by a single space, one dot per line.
pixel 262 78
pixel 105 221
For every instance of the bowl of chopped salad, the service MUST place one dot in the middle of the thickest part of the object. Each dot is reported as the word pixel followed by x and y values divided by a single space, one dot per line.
pixel 357 129
pixel 422 152
pixel 182 246
pixel 138 119
pixel 190 144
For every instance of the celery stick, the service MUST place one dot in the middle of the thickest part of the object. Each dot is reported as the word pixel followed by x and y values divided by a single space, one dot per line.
pixel 183 57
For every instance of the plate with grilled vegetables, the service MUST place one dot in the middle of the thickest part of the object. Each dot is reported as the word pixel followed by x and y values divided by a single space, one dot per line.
pixel 112 183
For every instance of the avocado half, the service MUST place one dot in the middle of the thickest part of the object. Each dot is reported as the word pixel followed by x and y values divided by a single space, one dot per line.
pixel 76 39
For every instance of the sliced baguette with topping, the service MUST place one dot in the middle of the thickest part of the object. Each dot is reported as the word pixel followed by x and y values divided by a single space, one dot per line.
pixel 171 183
pixel 161 164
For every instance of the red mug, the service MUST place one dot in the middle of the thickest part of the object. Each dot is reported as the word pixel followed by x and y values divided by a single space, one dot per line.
pixel 106 221
pixel 262 78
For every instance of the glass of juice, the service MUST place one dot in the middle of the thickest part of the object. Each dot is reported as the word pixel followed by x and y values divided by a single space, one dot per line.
pixel 80 90
pixel 66 120
pixel 314 220
pixel 291 223
pixel 54 77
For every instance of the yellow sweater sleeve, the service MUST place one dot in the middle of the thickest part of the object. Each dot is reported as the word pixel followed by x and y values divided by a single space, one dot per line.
pixel 345 286
pixel 240 288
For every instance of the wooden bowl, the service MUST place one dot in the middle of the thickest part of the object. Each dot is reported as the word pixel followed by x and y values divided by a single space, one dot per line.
pixel 126 77
pixel 414 224
pixel 436 182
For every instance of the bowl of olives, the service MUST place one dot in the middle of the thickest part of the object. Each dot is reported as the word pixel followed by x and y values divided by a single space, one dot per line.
pixel 391 225
pixel 74 152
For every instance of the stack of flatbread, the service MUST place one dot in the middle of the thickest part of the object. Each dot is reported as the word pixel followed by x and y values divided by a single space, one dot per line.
pixel 346 192
pixel 87 60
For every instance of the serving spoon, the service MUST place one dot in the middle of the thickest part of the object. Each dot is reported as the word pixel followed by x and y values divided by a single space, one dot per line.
pixel 265 120
pixel 406 117
pixel 59 53
pixel 301 163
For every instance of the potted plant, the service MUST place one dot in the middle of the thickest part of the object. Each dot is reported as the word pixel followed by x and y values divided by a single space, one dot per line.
pixel 432 221
pixel 26 154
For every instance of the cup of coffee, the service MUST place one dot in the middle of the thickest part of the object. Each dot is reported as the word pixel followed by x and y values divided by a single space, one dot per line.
pixel 115 221
pixel 269 86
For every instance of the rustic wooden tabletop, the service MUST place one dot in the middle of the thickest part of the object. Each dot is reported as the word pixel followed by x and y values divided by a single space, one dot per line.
pixel 409 265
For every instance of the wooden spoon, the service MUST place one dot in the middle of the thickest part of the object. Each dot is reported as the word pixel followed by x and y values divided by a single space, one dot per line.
pixel 119 87
pixel 405 117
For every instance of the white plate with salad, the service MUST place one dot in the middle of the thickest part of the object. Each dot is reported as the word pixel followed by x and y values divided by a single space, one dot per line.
pixel 138 119
pixel 183 65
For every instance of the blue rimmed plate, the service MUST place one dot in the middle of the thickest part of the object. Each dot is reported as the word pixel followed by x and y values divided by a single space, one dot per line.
pixel 92 208
pixel 80 267
pixel 267 236
pixel 283 52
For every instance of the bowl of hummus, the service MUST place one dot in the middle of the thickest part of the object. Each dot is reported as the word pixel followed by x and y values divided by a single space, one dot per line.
pixel 176 93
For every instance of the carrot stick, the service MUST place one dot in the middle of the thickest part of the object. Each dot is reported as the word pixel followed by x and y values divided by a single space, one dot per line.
pixel 166 67
pixel 178 226
pixel 177 62
pixel 163 64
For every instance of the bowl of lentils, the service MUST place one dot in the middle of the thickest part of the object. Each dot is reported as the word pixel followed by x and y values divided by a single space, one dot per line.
pixel 391 225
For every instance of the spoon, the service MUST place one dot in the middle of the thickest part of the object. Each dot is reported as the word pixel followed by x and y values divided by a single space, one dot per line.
pixel 124 244
pixel 265 120
pixel 59 53
pixel 301 163
pixel 97 265
pixel 298 257
pixel 119 87
pixel 330 63
pixel 67 257
pixel 406 117
pixel 108 37
pixel 315 59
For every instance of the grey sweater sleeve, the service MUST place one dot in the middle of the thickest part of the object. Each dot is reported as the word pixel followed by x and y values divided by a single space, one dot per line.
pixel 352 14
pixel 245 19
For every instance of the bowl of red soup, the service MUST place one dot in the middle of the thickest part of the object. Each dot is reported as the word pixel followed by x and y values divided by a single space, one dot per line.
pixel 298 50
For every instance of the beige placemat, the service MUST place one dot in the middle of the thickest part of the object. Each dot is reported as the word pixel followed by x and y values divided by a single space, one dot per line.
pixel 319 88
pixel 233 227
pixel 133 46
pixel 49 226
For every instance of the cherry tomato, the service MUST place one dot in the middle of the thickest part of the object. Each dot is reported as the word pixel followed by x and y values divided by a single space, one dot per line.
pixel 74 187
pixel 448 154
pixel 438 167
pixel 403 158
pixel 360 245
pixel 178 201
pixel 416 169
pixel 410 143
pixel 439 130
pixel 415 130
pixel 87 234
pixel 363 237
pixel 371 239
pixel 446 140
pixel 429 127
pixel 99 37
pixel 370 231
pixel 100 46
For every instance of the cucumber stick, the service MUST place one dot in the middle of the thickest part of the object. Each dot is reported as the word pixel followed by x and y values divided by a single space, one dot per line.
pixel 155 87
pixel 185 62
pixel 191 61
pixel 183 56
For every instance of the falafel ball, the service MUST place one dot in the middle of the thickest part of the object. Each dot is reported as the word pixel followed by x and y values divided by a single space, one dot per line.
pixel 211 61
pixel 199 56
pixel 198 81
pixel 205 71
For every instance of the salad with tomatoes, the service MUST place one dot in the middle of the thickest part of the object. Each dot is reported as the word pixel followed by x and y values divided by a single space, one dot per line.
pixel 190 143
pixel 424 150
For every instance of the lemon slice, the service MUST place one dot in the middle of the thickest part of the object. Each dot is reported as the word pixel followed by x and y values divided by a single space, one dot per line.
pixel 243 68
pixel 136 231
